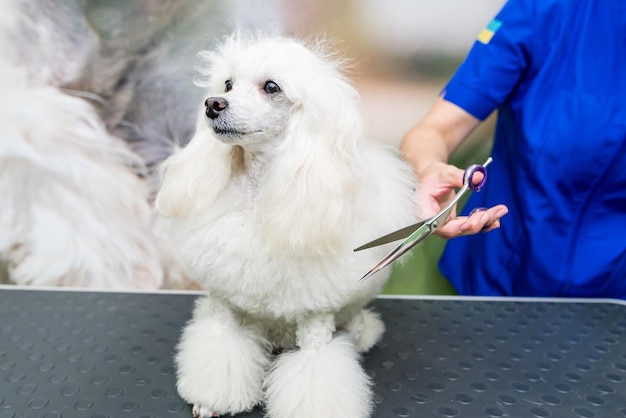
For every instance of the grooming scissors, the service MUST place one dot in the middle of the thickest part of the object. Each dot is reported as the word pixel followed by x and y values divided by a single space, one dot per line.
pixel 416 233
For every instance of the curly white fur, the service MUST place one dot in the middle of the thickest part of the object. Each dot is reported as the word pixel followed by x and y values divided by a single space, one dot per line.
pixel 265 205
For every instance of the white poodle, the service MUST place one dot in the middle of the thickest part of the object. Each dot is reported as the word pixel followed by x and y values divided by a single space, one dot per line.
pixel 265 205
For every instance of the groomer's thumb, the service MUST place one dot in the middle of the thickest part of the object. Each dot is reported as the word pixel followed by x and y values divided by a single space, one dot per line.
pixel 453 175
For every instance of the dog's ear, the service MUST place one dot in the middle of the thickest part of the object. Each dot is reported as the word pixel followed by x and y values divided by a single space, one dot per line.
pixel 193 177
pixel 309 199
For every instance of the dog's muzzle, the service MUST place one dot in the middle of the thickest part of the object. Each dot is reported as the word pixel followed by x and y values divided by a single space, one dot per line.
pixel 214 106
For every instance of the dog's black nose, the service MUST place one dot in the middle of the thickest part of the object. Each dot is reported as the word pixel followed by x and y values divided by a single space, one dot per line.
pixel 214 105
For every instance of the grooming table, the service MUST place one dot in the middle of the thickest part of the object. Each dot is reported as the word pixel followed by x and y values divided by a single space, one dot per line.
pixel 101 354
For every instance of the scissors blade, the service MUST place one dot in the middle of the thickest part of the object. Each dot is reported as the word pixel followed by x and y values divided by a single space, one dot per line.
pixel 415 238
pixel 394 236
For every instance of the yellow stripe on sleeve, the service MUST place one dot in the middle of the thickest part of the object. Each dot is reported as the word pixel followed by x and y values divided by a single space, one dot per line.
pixel 485 36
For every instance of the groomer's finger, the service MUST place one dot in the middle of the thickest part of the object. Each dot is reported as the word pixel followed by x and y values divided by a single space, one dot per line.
pixel 440 175
pixel 483 220
pixel 452 175
pixel 480 221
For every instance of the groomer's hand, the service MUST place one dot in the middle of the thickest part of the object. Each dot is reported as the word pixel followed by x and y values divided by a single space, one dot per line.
pixel 438 182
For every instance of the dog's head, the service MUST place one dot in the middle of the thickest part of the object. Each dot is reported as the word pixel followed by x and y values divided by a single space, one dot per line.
pixel 256 85
pixel 290 101
pixel 247 102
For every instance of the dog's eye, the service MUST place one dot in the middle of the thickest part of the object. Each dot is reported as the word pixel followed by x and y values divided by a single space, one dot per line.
pixel 229 86
pixel 271 87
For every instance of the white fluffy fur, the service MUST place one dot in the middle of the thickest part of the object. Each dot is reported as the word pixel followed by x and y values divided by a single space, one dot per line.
pixel 267 220
pixel 93 95
pixel 65 186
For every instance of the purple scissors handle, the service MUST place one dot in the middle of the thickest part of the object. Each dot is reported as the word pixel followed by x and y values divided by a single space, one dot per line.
pixel 468 176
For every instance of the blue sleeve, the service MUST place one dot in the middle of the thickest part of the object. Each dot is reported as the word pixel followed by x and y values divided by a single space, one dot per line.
pixel 494 65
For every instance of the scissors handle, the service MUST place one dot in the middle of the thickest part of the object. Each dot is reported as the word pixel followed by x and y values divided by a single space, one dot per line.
pixel 468 175
pixel 468 184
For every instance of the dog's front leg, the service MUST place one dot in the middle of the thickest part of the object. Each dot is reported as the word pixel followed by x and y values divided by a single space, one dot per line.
pixel 323 378
pixel 220 362
pixel 366 329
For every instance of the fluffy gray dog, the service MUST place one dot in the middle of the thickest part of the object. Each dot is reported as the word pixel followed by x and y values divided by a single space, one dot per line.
pixel 94 95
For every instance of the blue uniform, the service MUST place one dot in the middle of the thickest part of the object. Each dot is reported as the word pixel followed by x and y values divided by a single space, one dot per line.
pixel 556 72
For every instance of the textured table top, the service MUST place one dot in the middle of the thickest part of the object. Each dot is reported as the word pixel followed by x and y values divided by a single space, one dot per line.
pixel 93 354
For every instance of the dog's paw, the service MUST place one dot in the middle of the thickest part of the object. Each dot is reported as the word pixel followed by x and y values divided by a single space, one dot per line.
pixel 366 329
pixel 324 382
pixel 224 378
pixel 200 411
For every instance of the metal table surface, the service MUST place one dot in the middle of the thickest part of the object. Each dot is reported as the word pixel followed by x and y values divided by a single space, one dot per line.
pixel 67 353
